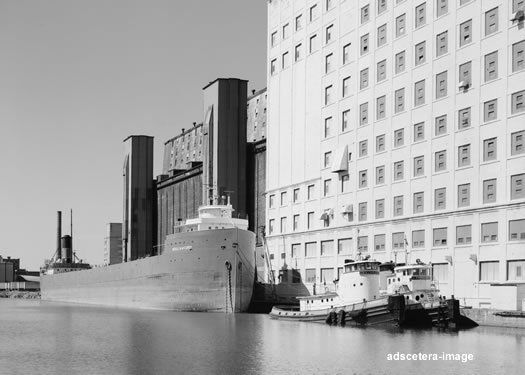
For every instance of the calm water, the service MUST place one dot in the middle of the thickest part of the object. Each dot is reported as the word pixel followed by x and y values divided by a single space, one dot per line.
pixel 45 338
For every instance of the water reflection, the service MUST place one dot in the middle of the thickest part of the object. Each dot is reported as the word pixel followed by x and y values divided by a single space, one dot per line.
pixel 68 339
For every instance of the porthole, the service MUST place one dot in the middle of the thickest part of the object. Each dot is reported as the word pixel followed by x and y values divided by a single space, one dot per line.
pixel 417 298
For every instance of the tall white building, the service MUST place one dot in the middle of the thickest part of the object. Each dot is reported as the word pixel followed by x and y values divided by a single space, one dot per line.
pixel 396 129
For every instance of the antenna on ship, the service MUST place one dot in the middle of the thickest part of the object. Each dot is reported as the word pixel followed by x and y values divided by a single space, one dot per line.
pixel 71 232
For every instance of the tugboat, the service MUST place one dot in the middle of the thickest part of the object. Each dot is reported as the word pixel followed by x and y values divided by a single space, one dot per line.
pixel 357 300
pixel 415 282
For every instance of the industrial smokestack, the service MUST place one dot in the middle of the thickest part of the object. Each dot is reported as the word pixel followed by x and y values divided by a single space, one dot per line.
pixel 59 234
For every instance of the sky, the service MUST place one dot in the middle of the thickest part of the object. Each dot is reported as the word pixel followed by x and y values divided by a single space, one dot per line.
pixel 77 77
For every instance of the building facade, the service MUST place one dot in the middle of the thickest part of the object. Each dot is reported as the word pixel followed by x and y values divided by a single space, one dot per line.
pixel 396 129
pixel 113 244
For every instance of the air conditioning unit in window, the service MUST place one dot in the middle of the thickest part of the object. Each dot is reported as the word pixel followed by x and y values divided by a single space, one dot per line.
pixel 474 258
pixel 518 16
pixel 448 258
pixel 347 209
pixel 464 85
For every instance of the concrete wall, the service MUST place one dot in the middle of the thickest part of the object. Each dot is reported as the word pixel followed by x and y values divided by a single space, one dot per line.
pixel 183 149
pixel 113 243
pixel 256 112
pixel 138 233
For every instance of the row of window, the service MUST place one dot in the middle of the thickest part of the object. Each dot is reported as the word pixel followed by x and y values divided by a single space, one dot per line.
pixel 488 271
pixel 399 241
pixel 463 200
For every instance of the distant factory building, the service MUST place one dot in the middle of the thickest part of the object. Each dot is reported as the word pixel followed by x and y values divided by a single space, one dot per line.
pixel 138 234
pixel 12 277
pixel 113 244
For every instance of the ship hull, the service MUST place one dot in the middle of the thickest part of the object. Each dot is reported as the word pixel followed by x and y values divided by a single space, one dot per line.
pixel 200 271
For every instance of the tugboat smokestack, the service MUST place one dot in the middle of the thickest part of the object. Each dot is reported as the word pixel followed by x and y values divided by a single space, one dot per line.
pixel 59 234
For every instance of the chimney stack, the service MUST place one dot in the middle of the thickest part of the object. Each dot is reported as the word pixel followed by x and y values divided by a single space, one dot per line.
pixel 59 234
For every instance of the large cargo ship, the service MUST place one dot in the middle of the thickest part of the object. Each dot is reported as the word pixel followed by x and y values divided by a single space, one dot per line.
pixel 208 265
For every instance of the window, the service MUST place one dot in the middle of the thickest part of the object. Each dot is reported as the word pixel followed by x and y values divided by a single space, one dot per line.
pixel 362 244
pixel 327 248
pixel 401 25
pixel 418 202
pixel 441 84
pixel 419 93
pixel 329 4
pixel 489 271
pixel 327 275
pixel 420 53
pixel 299 22
pixel 271 225
pixel 418 238
pixel 419 131
pixel 441 7
pixel 365 13
pixel 298 52
pixel 399 170
pixel 400 62
pixel 381 107
pixel 328 63
pixel 518 56
pixel 380 143
pixel 490 110
pixel 328 95
pixel 381 6
pixel 489 149
pixel 440 273
pixel 310 192
pixel 345 120
pixel 362 211
pixel 464 118
pixel 309 275
pixel 491 66
pixel 346 53
pixel 400 100
pixel 516 270
pixel 491 21
pixel 381 35
pixel 517 230
pixel 296 195
pixel 363 114
pixel 346 87
pixel 327 159
pixel 441 43
pixel 326 187
pixel 398 205
pixel 463 156
pixel 313 43
pixel 329 34
pixel 398 240
pixel 344 246
pixel 464 195
pixel 465 33
pixel 381 70
pixel 419 166
pixel 380 175
pixel 516 186
pixel 286 31
pixel 364 44
pixel 489 232
pixel 273 39
pixel 285 60
pixel 441 125
pixel 283 225
pixel 518 102
pixel 284 199
pixel 399 137
pixel 440 236
pixel 313 12
pixel 363 79
pixel 363 178
pixel 363 148
pixel 489 191
pixel 517 4
pixel 273 67
pixel 309 220
pixel 465 72
pixel 440 199
pixel 463 234
pixel 379 242
pixel 328 127
pixel 516 140
pixel 380 209
pixel 295 250
pixel 310 249
pixel 345 183
pixel 421 15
